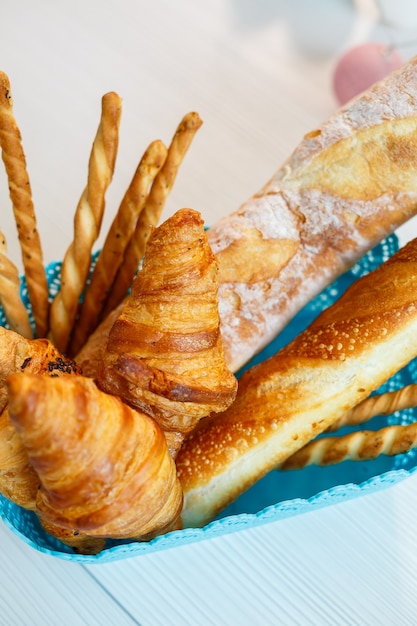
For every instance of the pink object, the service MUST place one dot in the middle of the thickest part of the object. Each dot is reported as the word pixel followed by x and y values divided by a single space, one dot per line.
pixel 361 67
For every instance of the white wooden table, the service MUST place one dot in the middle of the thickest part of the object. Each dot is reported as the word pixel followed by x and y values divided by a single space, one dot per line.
pixel 259 74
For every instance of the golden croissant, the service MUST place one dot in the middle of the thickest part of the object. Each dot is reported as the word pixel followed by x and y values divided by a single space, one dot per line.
pixel 79 542
pixel 164 353
pixel 104 467
pixel 18 354
pixel 18 481
pixel 90 357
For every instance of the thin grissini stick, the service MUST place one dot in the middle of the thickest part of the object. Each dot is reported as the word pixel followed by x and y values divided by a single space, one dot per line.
pixel 14 310
pixel 348 184
pixel 87 222
pixel 120 232
pixel 23 209
pixel 364 445
pixel 378 404
pixel 349 351
pixel 149 217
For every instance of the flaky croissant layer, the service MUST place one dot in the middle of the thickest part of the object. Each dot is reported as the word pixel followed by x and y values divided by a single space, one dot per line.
pixel 105 469
pixel 18 480
pixel 164 353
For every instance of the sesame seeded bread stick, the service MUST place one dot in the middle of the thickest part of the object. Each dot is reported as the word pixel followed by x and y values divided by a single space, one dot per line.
pixel 23 208
pixel 348 352
pixel 87 222
pixel 15 311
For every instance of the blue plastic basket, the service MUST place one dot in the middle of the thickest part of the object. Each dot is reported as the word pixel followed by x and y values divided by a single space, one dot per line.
pixel 280 494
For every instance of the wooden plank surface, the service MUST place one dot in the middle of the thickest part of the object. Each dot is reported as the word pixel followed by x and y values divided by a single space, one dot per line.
pixel 39 589
pixel 353 563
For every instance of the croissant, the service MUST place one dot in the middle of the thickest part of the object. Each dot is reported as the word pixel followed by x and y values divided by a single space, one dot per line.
pixel 18 354
pixel 79 542
pixel 90 356
pixel 105 469
pixel 164 353
pixel 18 480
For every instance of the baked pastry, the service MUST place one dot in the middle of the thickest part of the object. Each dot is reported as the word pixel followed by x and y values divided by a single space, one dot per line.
pixel 104 468
pixel 347 352
pixel 18 354
pixel 79 542
pixel 91 355
pixel 18 480
pixel 349 183
pixel 164 353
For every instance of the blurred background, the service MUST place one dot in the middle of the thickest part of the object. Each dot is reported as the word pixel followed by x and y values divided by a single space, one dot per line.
pixel 265 79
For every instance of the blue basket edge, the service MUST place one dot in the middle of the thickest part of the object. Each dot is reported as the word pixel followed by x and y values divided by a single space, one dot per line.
pixel 233 523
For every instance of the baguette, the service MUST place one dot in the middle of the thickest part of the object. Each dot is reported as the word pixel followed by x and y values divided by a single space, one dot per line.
pixel 351 348
pixel 347 185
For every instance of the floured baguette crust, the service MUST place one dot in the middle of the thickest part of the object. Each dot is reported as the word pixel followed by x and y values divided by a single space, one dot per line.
pixel 348 185
pixel 346 353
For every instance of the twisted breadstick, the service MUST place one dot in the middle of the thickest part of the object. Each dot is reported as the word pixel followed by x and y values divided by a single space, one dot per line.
pixel 364 445
pixel 87 222
pixel 380 404
pixel 23 208
pixel 15 311
pixel 155 202
pixel 118 237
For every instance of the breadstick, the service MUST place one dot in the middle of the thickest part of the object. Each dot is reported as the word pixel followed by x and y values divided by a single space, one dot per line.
pixel 379 404
pixel 15 311
pixel 350 350
pixel 363 445
pixel 87 222
pixel 120 232
pixel 348 184
pixel 23 209
pixel 154 205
